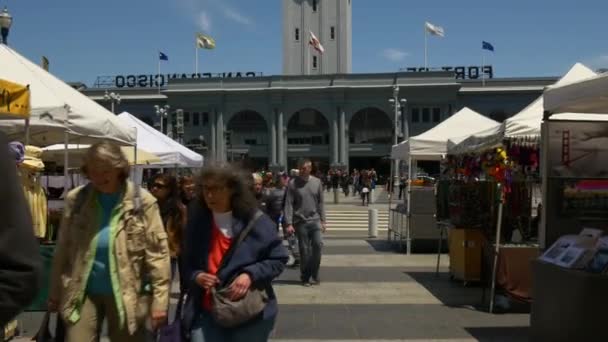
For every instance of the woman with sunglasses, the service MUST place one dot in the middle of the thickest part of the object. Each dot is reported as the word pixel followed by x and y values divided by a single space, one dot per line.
pixel 173 213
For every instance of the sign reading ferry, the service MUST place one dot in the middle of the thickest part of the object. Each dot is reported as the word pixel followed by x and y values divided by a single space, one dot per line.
pixel 159 80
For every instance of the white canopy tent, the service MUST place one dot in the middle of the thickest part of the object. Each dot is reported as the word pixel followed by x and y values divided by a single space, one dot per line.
pixel 433 144
pixel 170 152
pixel 586 96
pixel 57 108
pixel 524 124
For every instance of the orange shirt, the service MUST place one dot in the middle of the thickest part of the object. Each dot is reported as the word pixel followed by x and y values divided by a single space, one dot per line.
pixel 219 247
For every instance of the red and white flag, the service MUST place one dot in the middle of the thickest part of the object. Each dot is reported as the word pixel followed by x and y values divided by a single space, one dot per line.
pixel 315 43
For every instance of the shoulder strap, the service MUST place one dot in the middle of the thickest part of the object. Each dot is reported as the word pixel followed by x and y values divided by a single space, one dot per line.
pixel 242 236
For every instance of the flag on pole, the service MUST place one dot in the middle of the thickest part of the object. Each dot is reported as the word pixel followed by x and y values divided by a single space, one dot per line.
pixel 315 43
pixel 162 56
pixel 204 42
pixel 45 63
pixel 487 46
pixel 434 29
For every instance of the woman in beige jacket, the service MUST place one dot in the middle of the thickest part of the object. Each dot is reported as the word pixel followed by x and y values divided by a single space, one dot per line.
pixel 112 257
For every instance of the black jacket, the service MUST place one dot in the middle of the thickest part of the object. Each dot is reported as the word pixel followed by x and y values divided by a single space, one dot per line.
pixel 20 261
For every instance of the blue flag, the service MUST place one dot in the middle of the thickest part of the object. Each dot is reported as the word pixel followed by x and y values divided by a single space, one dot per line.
pixel 487 46
pixel 162 56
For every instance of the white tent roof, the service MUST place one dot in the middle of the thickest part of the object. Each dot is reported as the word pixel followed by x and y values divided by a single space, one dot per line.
pixel 586 96
pixel 168 150
pixel 432 144
pixel 524 124
pixel 52 102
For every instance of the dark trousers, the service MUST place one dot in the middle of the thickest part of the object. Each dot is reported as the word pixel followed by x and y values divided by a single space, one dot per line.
pixel 206 330
pixel 401 188
pixel 310 242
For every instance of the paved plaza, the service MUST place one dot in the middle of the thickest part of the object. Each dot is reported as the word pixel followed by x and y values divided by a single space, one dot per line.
pixel 369 292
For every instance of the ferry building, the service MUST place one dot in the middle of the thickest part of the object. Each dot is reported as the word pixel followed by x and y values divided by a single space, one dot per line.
pixel 317 108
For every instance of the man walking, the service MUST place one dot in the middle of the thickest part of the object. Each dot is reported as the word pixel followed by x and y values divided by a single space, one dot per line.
pixel 305 215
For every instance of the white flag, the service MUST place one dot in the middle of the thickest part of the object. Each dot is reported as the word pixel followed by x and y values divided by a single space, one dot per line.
pixel 434 29
pixel 315 43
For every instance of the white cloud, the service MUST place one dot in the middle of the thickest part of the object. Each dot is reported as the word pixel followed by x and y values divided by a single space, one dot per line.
pixel 204 21
pixel 394 55
pixel 236 16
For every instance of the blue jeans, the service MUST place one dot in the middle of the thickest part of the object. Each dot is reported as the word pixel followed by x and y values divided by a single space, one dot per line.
pixel 310 242
pixel 206 330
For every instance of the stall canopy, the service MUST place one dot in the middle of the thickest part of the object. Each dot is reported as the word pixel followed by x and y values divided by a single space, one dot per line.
pixel 524 124
pixel 586 96
pixel 55 153
pixel 56 107
pixel 432 144
pixel 170 152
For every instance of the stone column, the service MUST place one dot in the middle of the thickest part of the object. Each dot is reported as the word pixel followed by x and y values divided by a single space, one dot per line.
pixel 273 138
pixel 343 142
pixel 281 140
pixel 221 137
pixel 335 145
pixel 213 140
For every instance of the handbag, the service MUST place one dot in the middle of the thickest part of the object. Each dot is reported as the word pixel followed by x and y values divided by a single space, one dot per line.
pixel 228 313
pixel 172 332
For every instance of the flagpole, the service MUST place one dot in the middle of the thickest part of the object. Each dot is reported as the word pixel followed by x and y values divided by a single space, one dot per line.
pixel 158 77
pixel 426 49
pixel 483 63
pixel 195 59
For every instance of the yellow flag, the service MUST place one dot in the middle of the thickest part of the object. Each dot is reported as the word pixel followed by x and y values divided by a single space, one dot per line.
pixel 14 99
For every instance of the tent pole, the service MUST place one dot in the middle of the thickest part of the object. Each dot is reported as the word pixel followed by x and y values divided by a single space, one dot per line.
pixel 409 206
pixel 496 249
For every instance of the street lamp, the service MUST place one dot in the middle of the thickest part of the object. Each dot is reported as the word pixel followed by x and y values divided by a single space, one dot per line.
pixel 162 112
pixel 397 104
pixel 6 20
pixel 113 98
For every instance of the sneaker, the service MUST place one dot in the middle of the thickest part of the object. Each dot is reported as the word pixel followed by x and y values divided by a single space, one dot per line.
pixel 306 283
pixel 315 282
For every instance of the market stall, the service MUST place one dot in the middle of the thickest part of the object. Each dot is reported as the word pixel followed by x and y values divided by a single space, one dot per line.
pixel 170 152
pixel 572 274
pixel 420 221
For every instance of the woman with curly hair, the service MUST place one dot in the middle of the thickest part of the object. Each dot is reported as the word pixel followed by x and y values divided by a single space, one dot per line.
pixel 225 208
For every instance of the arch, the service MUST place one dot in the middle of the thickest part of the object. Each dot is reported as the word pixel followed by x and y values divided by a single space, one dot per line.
pixel 249 139
pixel 248 125
pixel 370 125
pixel 308 127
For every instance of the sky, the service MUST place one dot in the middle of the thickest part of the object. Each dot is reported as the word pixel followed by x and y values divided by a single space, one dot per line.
pixel 119 37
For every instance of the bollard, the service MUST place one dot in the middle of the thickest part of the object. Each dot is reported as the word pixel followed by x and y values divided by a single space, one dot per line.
pixel 372 200
pixel 373 223
pixel 336 196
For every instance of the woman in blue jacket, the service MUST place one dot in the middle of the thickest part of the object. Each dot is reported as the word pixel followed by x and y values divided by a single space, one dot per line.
pixel 224 207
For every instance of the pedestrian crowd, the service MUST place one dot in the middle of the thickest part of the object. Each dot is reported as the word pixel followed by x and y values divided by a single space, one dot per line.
pixel 221 235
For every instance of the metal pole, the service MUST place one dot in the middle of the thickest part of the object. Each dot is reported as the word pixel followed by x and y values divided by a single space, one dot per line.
pixel 496 250
pixel 426 49
pixel 396 135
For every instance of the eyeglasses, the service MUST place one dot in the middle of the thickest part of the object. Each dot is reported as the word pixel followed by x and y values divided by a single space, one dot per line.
pixel 158 185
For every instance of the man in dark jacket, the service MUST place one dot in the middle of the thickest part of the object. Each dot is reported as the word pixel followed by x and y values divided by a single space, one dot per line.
pixel 19 257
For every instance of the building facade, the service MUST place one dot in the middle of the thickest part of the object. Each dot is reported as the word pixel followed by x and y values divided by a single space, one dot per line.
pixel 331 22
pixel 317 109
pixel 336 120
